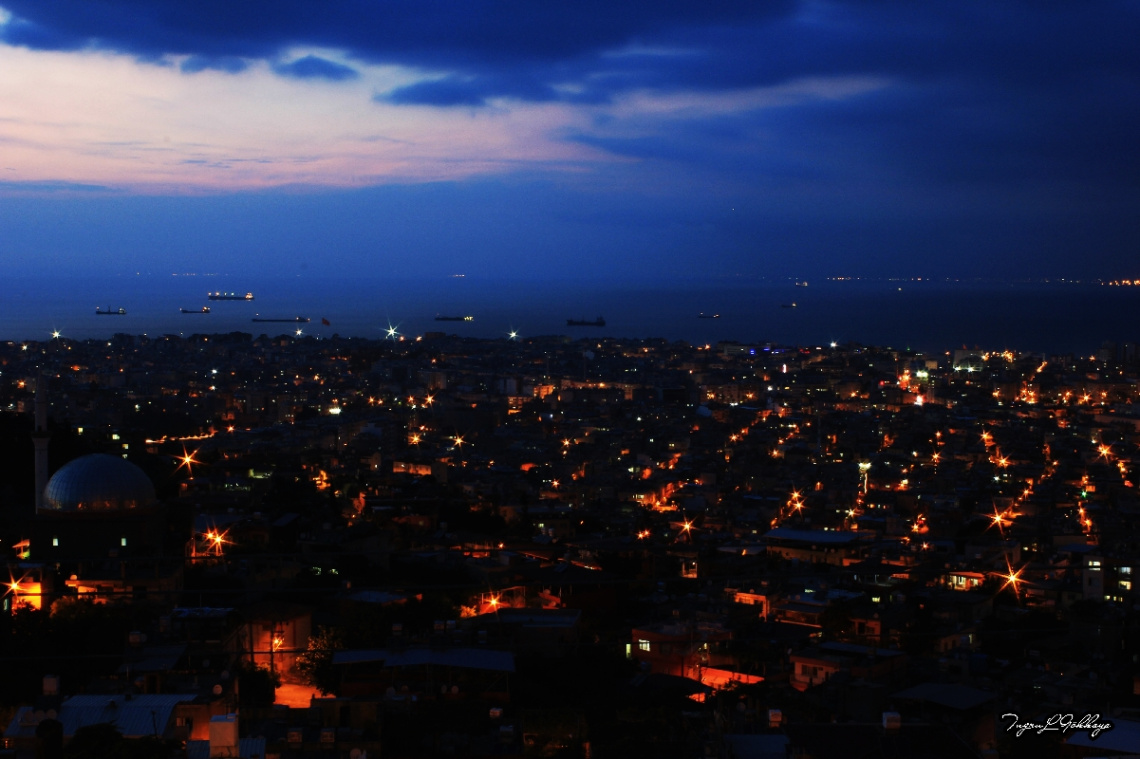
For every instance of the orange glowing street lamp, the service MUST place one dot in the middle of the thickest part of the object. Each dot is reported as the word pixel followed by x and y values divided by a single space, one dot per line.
pixel 999 519
pixel 214 540
pixel 24 594
pixel 686 529
pixel 1012 579
pixel 187 460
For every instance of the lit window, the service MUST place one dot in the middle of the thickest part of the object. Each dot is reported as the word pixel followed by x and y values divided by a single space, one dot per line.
pixel 122 541
pixel 1126 585
pixel 55 542
pixel 642 645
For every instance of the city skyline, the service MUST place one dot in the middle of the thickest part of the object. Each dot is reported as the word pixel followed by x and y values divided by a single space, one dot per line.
pixel 798 138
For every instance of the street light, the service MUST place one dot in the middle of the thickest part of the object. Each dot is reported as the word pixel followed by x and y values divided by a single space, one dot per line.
pixel 865 468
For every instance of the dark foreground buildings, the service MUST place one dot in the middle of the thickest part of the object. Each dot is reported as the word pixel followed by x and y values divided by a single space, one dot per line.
pixel 234 546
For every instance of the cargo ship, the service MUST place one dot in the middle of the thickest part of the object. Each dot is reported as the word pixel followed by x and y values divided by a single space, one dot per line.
pixel 469 318
pixel 703 315
pixel 229 296
pixel 599 322
pixel 202 310
pixel 110 312
pixel 293 320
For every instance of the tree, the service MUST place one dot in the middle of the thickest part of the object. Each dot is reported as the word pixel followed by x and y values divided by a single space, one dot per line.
pixel 257 686
pixel 94 741
pixel 104 741
pixel 315 663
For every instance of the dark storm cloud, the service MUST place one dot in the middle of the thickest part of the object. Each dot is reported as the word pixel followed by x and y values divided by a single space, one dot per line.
pixel 481 45
pixel 312 67
pixel 1076 140
pixel 40 37
pixel 227 63
pixel 436 33
pixel 442 92
pixel 471 91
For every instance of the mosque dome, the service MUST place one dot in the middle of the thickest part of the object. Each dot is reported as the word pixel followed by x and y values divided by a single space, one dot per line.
pixel 98 483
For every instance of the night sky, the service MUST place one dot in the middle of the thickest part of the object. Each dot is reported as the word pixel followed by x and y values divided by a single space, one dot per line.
pixel 631 139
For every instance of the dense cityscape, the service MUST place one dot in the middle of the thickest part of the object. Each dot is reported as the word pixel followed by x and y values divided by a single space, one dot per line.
pixel 228 545
pixel 598 380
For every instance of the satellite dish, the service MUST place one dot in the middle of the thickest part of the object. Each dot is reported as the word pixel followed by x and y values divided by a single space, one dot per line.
pixel 217 690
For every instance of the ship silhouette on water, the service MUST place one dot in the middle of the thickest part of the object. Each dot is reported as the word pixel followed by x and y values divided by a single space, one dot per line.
pixel 202 310
pixel 467 318
pixel 229 296
pixel 110 311
pixel 292 320
pixel 599 322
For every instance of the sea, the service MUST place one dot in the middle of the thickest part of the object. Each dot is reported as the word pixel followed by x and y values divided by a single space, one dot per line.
pixel 932 316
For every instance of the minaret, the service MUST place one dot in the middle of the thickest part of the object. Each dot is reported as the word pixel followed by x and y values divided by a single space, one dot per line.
pixel 40 438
